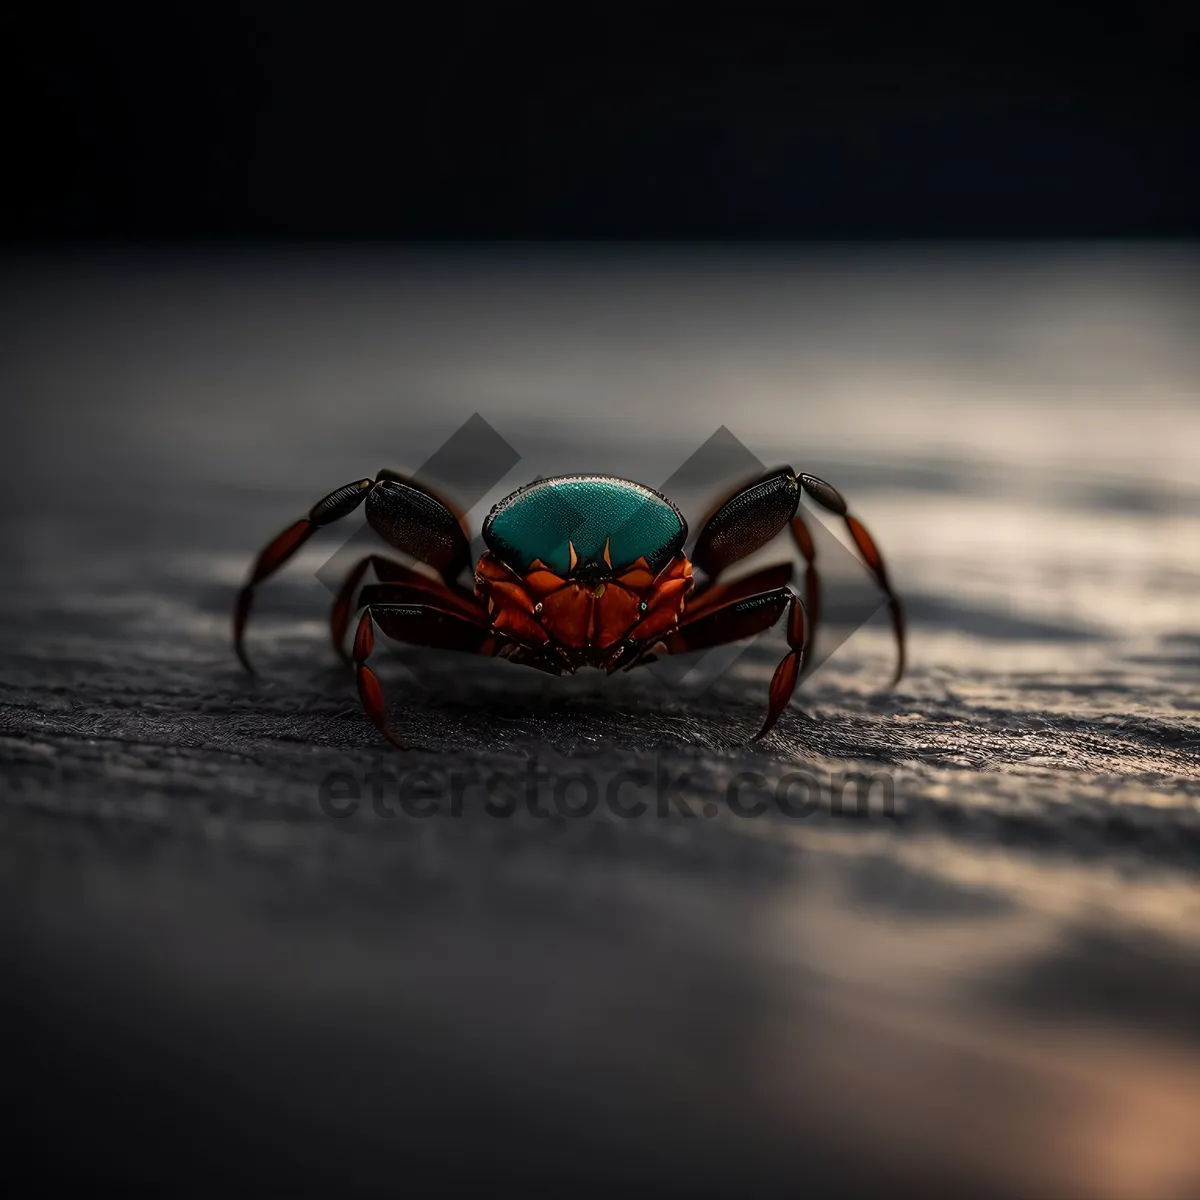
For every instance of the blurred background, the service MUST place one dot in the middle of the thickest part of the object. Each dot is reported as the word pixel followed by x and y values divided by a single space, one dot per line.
pixel 946 261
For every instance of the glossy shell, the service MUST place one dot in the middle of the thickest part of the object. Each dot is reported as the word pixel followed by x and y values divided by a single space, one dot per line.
pixel 589 512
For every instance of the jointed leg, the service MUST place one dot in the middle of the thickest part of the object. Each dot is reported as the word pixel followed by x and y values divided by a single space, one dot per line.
pixel 743 618
pixel 420 587
pixel 417 624
pixel 717 595
pixel 812 581
pixel 830 499
pixel 746 521
pixel 752 516
pixel 337 504
pixel 783 682
pixel 405 514
pixel 721 613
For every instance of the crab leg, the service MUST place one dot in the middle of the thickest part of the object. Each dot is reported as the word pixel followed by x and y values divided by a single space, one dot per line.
pixel 755 513
pixel 812 580
pixel 407 515
pixel 718 595
pixel 743 618
pixel 337 504
pixel 783 682
pixel 419 625
pixel 829 498
pixel 389 572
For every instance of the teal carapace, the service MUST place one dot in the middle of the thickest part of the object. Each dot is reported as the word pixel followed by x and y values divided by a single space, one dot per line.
pixel 545 518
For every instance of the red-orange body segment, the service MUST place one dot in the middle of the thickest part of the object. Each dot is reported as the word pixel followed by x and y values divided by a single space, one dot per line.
pixel 589 622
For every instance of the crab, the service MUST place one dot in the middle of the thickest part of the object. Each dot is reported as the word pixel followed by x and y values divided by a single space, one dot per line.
pixel 579 570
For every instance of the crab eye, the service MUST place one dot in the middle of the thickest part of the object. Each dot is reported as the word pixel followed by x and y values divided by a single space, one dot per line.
pixel 643 606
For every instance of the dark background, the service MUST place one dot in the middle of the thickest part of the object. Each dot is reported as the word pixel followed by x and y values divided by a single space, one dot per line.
pixel 516 120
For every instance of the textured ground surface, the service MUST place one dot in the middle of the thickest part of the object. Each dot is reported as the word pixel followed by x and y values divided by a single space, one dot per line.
pixel 999 984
